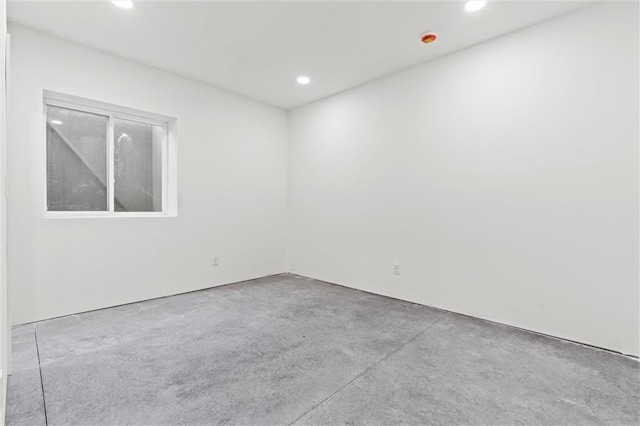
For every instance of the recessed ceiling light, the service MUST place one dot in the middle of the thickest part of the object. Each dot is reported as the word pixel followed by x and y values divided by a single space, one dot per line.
pixel 303 79
pixel 56 121
pixel 125 4
pixel 474 5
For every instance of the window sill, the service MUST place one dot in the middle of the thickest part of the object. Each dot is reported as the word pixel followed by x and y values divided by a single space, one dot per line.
pixel 106 215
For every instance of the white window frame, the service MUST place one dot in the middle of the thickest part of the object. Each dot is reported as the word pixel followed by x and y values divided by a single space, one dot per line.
pixel 169 172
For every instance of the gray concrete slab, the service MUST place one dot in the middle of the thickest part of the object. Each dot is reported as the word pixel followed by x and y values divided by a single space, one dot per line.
pixel 287 349
pixel 468 371
pixel 24 398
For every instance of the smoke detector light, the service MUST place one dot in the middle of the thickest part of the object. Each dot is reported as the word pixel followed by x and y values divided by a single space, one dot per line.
pixel 429 38
pixel 473 5
pixel 125 4
pixel 303 79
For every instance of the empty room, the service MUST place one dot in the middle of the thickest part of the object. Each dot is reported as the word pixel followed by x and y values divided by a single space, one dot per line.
pixel 319 212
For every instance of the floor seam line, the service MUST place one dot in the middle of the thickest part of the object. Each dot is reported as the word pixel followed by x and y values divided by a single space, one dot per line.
pixel 44 402
pixel 366 370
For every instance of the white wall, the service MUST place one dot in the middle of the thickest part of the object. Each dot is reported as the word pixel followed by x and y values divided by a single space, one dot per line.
pixel 503 179
pixel 5 345
pixel 232 157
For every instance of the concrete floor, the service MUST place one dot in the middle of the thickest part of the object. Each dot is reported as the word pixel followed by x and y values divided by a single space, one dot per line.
pixel 288 350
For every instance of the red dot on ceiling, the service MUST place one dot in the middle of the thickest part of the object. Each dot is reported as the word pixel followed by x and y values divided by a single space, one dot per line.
pixel 429 38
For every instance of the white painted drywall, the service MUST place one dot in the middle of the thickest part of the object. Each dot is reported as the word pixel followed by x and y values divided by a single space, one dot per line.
pixel 232 158
pixel 5 345
pixel 339 43
pixel 503 178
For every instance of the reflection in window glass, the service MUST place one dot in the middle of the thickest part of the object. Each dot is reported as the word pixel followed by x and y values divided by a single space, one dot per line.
pixel 76 160
pixel 137 166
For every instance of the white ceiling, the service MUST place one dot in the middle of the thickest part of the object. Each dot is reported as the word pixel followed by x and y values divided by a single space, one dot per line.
pixel 258 48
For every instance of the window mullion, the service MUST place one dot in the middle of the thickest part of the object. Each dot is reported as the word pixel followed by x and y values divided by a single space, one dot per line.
pixel 111 165
pixel 165 169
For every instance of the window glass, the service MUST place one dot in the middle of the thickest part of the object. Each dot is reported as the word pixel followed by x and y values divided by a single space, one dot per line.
pixel 137 166
pixel 76 160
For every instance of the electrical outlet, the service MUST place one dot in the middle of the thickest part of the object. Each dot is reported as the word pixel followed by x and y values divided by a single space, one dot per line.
pixel 216 260
pixel 396 269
